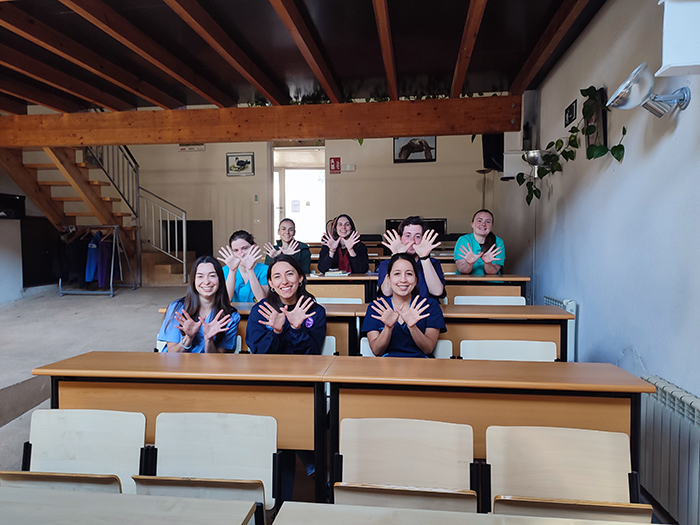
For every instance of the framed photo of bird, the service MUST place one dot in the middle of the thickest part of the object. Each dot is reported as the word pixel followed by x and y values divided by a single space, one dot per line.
pixel 240 164
pixel 414 149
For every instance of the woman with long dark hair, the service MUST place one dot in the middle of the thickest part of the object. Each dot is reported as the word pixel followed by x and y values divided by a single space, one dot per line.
pixel 342 248
pixel 288 320
pixel 202 321
pixel 246 279
pixel 404 324
pixel 480 252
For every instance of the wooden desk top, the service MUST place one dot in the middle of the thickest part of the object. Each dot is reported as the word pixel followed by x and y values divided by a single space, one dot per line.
pixel 60 507
pixel 332 310
pixel 297 513
pixel 451 277
pixel 149 365
pixel 588 377
pixel 319 278
pixel 520 312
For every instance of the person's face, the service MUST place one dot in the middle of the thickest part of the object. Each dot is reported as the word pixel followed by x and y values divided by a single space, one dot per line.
pixel 343 227
pixel 412 234
pixel 285 281
pixel 402 278
pixel 286 231
pixel 482 224
pixel 206 281
pixel 240 248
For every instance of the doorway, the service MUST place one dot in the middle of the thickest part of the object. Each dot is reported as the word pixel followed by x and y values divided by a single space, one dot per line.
pixel 299 189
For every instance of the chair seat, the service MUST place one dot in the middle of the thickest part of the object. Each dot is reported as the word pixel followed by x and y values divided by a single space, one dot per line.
pixel 572 509
pixel 61 481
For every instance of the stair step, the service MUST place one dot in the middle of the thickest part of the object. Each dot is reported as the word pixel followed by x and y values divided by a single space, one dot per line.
pixel 78 199
pixel 52 166
pixel 66 183
pixel 90 214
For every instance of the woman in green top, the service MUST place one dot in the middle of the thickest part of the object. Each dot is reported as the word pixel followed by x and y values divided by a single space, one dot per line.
pixel 289 245
pixel 480 252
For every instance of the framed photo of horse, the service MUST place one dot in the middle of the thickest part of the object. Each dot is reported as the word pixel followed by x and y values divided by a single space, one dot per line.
pixel 240 164
pixel 415 149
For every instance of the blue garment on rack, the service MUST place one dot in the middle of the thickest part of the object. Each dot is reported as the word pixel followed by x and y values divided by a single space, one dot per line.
pixel 93 258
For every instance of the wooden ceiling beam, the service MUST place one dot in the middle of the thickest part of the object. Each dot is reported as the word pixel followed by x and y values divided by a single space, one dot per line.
pixel 53 77
pixel 294 22
pixel 212 33
pixel 127 34
pixel 463 116
pixel 28 27
pixel 12 106
pixel 381 15
pixel 466 47
pixel 40 97
pixel 560 24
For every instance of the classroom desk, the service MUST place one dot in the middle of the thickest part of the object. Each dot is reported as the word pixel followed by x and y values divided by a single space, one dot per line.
pixel 59 507
pixel 596 396
pixel 341 322
pixel 511 285
pixel 298 513
pixel 289 388
pixel 368 281
pixel 526 323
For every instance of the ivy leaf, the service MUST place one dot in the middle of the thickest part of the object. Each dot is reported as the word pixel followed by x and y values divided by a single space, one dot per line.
pixel 528 199
pixel 520 177
pixel 557 167
pixel 600 151
pixel 573 141
pixel 624 131
pixel 542 172
pixel 590 92
pixel 590 129
pixel 574 129
pixel 589 151
pixel 473 137
pixel 537 192
pixel 360 141
pixel 550 158
pixel 529 185
pixel 559 145
pixel 618 152
pixel 550 145
pixel 587 111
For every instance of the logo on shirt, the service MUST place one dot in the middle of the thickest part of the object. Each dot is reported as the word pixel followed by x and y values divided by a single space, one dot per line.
pixel 309 322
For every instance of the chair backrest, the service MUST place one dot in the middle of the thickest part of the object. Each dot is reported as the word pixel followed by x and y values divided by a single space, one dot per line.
pixel 443 349
pixel 406 452
pixel 483 300
pixel 365 350
pixel 328 345
pixel 109 483
pixel 559 463
pixel 88 442
pixel 220 446
pixel 504 350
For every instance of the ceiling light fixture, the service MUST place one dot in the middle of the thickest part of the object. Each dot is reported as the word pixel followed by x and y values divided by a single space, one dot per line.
pixel 638 90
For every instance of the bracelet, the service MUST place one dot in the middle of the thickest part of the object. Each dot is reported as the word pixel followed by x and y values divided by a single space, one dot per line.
pixel 186 347
pixel 424 258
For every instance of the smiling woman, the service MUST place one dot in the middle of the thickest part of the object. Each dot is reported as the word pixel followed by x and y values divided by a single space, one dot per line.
pixel 480 252
pixel 203 321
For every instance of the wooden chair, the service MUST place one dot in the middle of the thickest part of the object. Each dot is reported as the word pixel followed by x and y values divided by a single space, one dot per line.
pixel 443 349
pixel 500 300
pixel 406 463
pixel 504 350
pixel 562 472
pixel 214 456
pixel 89 450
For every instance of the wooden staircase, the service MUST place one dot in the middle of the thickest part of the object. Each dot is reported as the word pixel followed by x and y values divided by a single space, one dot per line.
pixel 158 269
pixel 74 199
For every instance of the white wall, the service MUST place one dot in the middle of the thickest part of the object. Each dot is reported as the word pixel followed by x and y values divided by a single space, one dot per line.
pixel 10 261
pixel 621 239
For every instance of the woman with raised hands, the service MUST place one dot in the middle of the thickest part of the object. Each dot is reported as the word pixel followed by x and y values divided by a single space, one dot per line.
pixel 202 321
pixel 288 320
pixel 480 252
pixel 342 248
pixel 288 245
pixel 404 324
pixel 246 279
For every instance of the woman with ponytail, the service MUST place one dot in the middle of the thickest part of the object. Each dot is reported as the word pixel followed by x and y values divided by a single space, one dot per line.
pixel 480 252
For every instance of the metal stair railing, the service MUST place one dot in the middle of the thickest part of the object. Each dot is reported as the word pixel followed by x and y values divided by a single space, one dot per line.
pixel 159 221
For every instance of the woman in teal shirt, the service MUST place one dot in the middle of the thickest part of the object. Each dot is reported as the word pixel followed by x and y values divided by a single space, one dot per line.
pixel 480 252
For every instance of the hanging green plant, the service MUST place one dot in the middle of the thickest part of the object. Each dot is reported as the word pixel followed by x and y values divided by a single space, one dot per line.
pixel 591 128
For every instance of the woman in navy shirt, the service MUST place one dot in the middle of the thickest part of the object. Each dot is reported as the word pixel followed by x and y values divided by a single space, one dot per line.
pixel 288 321
pixel 405 324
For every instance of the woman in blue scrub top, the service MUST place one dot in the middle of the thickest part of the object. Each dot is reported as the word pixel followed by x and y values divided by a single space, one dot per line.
pixel 405 324
pixel 203 321
pixel 480 252
pixel 246 279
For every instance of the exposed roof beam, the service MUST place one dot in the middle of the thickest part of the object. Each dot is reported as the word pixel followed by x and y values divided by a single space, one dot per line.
pixel 127 34
pixel 292 19
pixel 28 27
pixel 12 106
pixel 381 15
pixel 40 97
pixel 463 116
pixel 560 24
pixel 53 77
pixel 198 19
pixel 466 48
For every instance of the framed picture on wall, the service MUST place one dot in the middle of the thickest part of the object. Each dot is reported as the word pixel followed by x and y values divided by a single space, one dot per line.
pixel 415 149
pixel 240 164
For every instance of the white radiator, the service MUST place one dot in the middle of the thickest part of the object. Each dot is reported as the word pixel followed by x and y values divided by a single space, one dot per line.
pixel 570 306
pixel 670 450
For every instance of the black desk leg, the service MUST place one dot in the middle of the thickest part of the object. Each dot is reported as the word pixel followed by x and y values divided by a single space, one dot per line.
pixel 564 339
pixel 54 392
pixel 320 441
pixel 635 429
